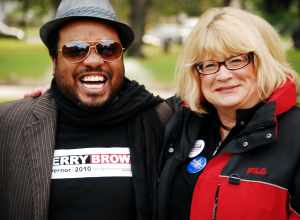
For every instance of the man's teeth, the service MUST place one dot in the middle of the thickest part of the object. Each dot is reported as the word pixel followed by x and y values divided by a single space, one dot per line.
pixel 93 86
pixel 93 79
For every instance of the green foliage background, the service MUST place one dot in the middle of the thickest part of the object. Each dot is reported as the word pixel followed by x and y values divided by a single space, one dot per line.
pixel 22 62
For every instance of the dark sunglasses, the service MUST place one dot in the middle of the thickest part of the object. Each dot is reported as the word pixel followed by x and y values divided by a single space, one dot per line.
pixel 77 51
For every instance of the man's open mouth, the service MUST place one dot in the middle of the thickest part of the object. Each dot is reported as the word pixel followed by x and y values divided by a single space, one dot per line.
pixel 93 81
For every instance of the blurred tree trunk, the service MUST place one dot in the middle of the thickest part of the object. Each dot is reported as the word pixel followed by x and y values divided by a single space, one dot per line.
pixel 55 3
pixel 25 8
pixel 233 3
pixel 296 32
pixel 271 6
pixel 226 2
pixel 137 18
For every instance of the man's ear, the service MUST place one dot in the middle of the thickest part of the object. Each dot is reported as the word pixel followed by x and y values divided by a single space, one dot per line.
pixel 54 63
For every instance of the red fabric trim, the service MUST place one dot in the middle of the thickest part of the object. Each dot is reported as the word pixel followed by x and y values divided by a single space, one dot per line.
pixel 294 215
pixel 285 97
pixel 204 190
pixel 184 104
pixel 252 201
pixel 247 200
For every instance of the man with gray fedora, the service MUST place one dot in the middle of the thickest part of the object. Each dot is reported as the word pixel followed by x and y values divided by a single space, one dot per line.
pixel 88 147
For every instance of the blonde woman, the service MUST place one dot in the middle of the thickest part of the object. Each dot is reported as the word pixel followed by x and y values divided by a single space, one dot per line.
pixel 236 155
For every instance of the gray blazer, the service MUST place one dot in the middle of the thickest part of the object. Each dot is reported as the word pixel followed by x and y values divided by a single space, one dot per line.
pixel 27 139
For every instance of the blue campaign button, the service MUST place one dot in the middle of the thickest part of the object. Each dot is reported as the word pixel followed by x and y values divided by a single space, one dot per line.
pixel 196 165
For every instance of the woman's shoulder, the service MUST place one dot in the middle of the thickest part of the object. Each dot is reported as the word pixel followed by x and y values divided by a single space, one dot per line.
pixel 181 108
pixel 291 117
pixel 185 120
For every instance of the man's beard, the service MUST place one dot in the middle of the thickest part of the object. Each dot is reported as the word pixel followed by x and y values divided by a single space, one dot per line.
pixel 72 92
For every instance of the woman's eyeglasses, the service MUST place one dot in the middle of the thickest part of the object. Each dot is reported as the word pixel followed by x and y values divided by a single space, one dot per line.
pixel 77 51
pixel 232 63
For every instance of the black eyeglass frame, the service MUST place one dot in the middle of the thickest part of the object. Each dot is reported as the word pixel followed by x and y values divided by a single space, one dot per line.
pixel 92 44
pixel 250 57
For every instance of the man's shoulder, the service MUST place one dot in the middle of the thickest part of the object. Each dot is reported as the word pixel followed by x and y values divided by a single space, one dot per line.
pixel 9 107
pixel 21 108
pixel 165 111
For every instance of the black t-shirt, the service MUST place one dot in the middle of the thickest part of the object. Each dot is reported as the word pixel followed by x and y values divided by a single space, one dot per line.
pixel 90 197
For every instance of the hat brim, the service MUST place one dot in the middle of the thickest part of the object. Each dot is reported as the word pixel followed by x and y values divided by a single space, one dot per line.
pixel 125 32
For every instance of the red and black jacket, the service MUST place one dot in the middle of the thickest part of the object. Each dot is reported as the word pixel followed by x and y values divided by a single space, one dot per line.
pixel 254 176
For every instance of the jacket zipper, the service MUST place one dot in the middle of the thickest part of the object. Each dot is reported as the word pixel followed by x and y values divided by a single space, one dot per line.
pixel 217 149
pixel 215 207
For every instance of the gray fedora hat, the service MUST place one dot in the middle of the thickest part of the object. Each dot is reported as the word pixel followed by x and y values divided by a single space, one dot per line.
pixel 101 10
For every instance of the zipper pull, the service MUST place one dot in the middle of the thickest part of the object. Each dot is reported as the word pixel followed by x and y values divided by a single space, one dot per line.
pixel 217 149
pixel 234 179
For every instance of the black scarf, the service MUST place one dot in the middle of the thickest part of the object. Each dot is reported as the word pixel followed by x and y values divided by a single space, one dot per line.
pixel 134 106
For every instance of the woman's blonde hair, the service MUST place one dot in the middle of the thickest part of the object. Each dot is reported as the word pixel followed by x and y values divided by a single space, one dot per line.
pixel 224 32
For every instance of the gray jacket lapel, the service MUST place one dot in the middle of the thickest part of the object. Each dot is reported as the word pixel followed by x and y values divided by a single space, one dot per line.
pixel 40 140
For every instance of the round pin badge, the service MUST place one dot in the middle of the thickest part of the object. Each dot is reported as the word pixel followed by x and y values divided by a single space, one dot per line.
pixel 197 149
pixel 196 165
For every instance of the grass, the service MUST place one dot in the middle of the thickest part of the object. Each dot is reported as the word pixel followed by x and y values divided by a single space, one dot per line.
pixel 294 58
pixel 4 100
pixel 32 32
pixel 161 65
pixel 20 61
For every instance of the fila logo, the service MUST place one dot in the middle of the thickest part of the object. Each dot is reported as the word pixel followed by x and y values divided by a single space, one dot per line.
pixel 257 171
